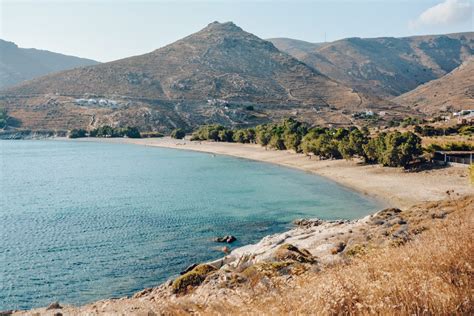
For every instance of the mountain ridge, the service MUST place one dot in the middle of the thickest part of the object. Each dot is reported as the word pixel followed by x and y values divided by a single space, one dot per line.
pixel 452 92
pixel 387 66
pixel 21 64
pixel 207 77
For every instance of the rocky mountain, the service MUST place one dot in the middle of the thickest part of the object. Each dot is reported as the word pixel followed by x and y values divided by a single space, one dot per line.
pixel 452 92
pixel 294 47
pixel 20 64
pixel 211 76
pixel 385 66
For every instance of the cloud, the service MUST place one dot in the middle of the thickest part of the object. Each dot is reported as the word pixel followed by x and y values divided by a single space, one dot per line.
pixel 448 12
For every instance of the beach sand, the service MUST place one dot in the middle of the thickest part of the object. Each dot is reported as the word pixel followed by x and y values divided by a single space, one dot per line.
pixel 393 187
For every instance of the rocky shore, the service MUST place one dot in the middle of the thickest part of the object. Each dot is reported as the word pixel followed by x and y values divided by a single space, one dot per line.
pixel 312 246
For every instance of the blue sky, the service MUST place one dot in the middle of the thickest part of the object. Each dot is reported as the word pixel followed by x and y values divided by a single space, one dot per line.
pixel 106 30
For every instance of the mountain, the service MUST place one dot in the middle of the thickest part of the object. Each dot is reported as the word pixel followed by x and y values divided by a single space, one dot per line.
pixel 294 47
pixel 20 64
pixel 208 77
pixel 221 61
pixel 452 92
pixel 386 66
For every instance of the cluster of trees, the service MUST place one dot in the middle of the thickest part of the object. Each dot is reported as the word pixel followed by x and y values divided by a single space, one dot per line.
pixel 106 131
pixel 390 149
pixel 451 146
pixel 407 121
pixel 428 130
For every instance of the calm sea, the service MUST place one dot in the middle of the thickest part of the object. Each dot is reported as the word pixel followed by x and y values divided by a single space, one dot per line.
pixel 86 221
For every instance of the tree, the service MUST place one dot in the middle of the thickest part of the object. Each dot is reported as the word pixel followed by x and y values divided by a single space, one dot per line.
pixel 130 132
pixel 240 136
pixel 276 142
pixel 262 134
pixel 178 133
pixel 374 148
pixel 292 141
pixel 77 133
pixel 3 118
pixel 226 135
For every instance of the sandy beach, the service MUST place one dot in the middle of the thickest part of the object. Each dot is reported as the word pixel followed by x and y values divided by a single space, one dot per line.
pixel 393 187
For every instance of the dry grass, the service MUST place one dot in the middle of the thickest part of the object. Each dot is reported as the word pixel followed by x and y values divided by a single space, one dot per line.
pixel 444 140
pixel 430 275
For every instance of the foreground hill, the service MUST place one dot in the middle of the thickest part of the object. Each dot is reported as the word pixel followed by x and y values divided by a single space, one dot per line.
pixel 385 66
pixel 210 76
pixel 452 92
pixel 20 64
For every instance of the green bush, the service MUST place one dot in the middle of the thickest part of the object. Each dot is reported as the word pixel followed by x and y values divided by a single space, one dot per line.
pixel 3 118
pixel 77 133
pixel 178 133
pixel 108 131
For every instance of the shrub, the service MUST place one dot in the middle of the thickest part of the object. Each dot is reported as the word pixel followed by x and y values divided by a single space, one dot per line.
pixel 192 278
pixel 3 118
pixel 77 133
pixel 178 133
pixel 108 131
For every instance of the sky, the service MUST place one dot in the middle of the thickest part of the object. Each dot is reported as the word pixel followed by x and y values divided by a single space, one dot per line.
pixel 107 30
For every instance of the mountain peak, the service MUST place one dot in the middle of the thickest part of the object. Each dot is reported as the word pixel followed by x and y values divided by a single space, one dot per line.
pixel 226 27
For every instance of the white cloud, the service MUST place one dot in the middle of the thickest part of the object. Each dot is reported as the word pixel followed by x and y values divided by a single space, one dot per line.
pixel 448 12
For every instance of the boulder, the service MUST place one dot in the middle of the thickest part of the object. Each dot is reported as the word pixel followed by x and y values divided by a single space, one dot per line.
pixel 189 268
pixel 307 223
pixel 228 239
pixel 192 278
pixel 289 252
pixel 54 305
pixel 338 248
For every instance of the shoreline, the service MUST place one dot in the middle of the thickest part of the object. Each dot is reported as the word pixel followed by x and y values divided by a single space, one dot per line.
pixel 391 186
pixel 387 186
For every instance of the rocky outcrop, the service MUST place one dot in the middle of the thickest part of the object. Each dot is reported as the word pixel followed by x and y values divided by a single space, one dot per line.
pixel 228 239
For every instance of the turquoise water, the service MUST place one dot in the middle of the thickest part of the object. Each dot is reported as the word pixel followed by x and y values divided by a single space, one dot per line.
pixel 86 221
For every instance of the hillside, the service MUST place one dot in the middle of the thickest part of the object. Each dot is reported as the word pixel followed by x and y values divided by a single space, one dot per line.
pixel 386 66
pixel 207 77
pixel 452 92
pixel 220 61
pixel 294 47
pixel 20 64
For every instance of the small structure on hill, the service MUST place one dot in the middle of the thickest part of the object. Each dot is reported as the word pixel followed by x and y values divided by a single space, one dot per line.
pixel 447 157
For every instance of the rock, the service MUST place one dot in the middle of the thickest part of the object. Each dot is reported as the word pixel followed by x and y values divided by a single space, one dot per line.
pixel 339 248
pixel 439 215
pixel 307 223
pixel 192 278
pixel 54 305
pixel 58 314
pixel 228 239
pixel 388 212
pixel 189 268
pixel 289 252
pixel 6 313
pixel 143 293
